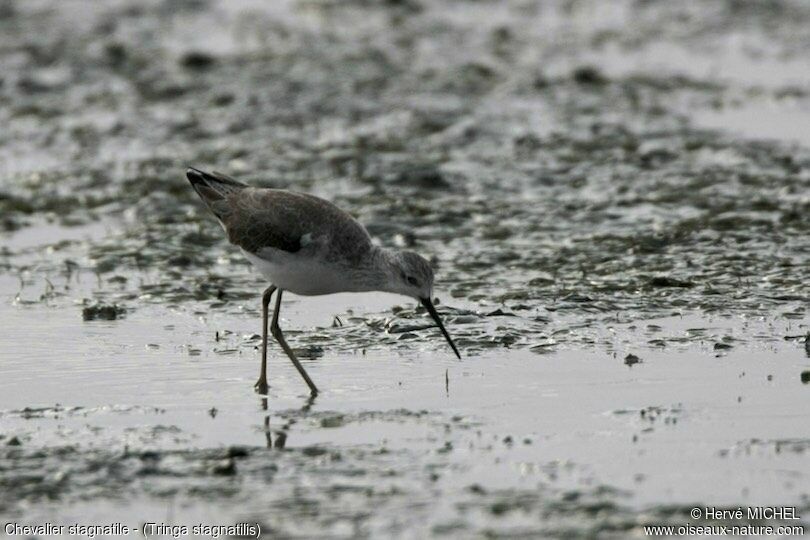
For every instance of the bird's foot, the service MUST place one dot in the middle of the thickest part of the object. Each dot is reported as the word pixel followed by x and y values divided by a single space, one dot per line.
pixel 261 386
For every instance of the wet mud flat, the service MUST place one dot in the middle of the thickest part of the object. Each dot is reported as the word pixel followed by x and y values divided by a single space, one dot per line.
pixel 615 196
pixel 575 443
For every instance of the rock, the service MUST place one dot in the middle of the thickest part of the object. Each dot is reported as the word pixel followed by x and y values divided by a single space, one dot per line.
pixel 588 75
pixel 102 312
pixel 631 360
pixel 197 60
pixel 665 281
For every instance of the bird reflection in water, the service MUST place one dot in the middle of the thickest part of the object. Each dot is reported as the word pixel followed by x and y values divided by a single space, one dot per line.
pixel 278 438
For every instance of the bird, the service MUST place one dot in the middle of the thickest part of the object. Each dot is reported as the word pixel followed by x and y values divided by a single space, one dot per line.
pixel 307 246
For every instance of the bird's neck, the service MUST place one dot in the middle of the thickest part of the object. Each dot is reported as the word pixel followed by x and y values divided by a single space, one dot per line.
pixel 376 273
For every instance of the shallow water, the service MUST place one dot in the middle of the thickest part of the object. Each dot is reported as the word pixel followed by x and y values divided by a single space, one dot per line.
pixel 510 442
pixel 616 200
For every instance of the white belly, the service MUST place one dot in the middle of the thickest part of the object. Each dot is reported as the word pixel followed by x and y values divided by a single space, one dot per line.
pixel 306 276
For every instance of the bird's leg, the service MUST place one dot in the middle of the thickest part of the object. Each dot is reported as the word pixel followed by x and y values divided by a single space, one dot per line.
pixel 261 384
pixel 276 331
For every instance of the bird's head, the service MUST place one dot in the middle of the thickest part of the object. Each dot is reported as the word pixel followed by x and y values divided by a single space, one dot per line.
pixel 412 275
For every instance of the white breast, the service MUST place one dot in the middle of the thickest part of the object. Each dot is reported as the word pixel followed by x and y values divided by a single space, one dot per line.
pixel 299 274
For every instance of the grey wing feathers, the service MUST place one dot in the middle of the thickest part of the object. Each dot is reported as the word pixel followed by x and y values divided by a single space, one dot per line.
pixel 257 222
pixel 270 218
pixel 259 218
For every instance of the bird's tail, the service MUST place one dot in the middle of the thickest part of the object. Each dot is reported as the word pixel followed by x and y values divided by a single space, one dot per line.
pixel 213 185
pixel 214 188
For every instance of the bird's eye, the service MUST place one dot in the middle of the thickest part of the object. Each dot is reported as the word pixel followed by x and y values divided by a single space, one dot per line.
pixel 413 281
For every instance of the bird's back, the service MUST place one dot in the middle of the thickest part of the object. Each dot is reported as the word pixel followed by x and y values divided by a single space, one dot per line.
pixel 259 220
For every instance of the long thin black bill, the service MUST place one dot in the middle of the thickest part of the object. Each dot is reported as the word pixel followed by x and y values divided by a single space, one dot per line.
pixel 432 310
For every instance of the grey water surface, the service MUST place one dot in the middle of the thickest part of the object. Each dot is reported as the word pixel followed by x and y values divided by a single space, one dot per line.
pixel 615 195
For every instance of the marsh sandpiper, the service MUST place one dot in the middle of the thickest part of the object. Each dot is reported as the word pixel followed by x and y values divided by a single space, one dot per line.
pixel 308 246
